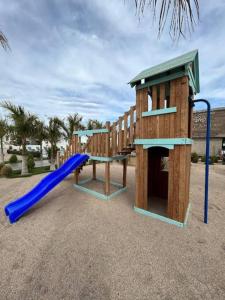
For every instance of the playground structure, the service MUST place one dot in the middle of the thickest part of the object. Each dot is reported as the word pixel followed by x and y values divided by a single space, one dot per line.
pixel 159 129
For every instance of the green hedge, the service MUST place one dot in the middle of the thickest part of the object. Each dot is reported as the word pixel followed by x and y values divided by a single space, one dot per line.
pixel 194 157
pixel 35 154
pixel 13 159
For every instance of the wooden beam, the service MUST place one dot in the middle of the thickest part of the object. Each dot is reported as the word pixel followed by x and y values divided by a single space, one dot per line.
pixel 94 169
pixel 107 178
pixel 107 140
pixel 125 172
pixel 125 130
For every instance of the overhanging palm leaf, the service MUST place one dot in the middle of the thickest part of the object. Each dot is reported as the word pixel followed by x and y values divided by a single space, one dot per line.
pixel 182 13
pixel 3 41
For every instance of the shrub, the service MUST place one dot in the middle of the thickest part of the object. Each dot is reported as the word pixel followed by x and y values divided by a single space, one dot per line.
pixel 6 171
pixel 30 162
pixel 214 159
pixel 1 166
pixel 13 159
pixel 19 152
pixel 223 159
pixel 194 157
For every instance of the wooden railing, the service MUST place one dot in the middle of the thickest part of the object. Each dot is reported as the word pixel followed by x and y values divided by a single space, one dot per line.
pixel 120 135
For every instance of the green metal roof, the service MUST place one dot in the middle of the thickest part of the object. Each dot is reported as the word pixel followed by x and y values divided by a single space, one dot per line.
pixel 186 64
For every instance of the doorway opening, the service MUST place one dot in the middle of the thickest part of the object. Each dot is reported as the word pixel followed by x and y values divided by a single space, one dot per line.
pixel 158 176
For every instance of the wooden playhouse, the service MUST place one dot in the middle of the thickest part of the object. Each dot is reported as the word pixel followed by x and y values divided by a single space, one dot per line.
pixel 159 129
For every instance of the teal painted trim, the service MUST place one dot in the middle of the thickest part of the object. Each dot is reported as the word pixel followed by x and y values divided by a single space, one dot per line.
pixel 157 112
pixel 170 147
pixel 108 159
pixel 187 214
pixel 85 181
pixel 111 182
pixel 91 192
pixel 156 216
pixel 164 219
pixel 81 182
pixel 172 65
pixel 161 80
pixel 192 80
pixel 101 158
pixel 91 132
pixel 97 194
pixel 116 193
pixel 159 142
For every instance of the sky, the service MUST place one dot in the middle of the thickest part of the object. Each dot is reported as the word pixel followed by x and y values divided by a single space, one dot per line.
pixel 77 56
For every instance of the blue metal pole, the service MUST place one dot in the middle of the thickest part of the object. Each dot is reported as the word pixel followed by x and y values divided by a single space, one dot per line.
pixel 207 152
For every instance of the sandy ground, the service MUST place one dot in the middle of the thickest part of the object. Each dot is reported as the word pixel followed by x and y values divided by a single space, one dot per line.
pixel 73 246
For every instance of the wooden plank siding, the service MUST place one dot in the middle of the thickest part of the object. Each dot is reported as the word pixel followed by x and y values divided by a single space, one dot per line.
pixel 179 179
pixel 172 125
pixel 168 125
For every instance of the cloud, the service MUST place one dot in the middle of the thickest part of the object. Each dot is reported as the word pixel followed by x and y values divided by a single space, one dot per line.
pixel 77 56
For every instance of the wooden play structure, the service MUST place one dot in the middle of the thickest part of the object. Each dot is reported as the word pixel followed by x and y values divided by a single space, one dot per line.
pixel 159 129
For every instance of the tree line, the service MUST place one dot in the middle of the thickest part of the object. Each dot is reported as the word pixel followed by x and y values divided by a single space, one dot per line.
pixel 21 126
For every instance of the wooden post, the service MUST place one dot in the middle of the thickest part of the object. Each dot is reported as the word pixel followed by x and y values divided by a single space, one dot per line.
pixel 94 169
pixel 76 176
pixel 125 172
pixel 125 130
pixel 107 140
pixel 107 164
pixel 107 178
pixel 132 124
pixel 114 139
pixel 120 134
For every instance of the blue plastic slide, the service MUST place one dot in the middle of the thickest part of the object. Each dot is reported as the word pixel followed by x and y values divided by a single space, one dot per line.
pixel 17 208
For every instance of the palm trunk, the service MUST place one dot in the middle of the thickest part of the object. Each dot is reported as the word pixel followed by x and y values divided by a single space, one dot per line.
pixel 24 168
pixel 52 160
pixel 41 151
pixel 1 152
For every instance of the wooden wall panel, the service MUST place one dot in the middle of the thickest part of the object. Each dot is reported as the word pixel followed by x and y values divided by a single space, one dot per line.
pixel 179 181
pixel 167 125
pixel 141 199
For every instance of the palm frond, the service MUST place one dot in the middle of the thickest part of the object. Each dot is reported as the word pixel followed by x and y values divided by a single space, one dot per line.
pixel 4 42
pixel 23 122
pixel 12 108
pixel 182 14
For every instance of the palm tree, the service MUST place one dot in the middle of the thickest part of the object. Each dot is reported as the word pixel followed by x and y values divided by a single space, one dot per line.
pixel 54 135
pixel 23 128
pixel 41 135
pixel 3 132
pixel 94 124
pixel 3 41
pixel 73 122
pixel 181 13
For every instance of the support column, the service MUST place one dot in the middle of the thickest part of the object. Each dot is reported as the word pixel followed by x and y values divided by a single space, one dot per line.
pixel 76 176
pixel 125 172
pixel 94 169
pixel 107 178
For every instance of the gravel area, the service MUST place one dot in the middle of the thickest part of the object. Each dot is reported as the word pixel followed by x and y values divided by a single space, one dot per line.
pixel 73 246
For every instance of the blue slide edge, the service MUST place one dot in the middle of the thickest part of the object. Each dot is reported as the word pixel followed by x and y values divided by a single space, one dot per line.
pixel 14 210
